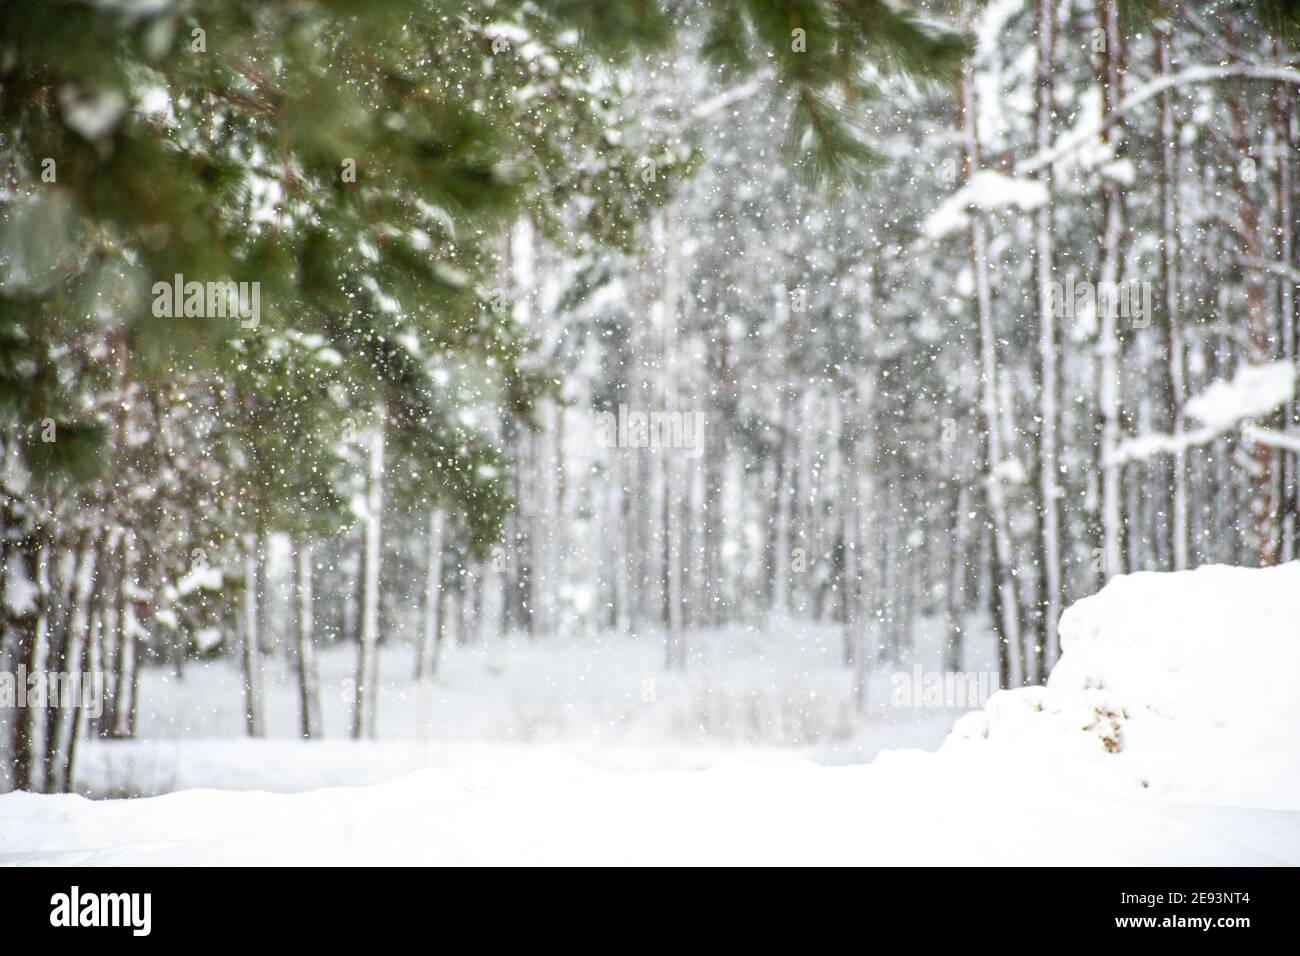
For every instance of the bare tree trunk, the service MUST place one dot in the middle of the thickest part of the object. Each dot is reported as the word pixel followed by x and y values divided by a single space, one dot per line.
pixel 127 638
pixel 1284 108
pixel 715 481
pixel 865 581
pixel 99 634
pixel 1108 344
pixel 309 724
pixel 1174 347
pixel 96 687
pixel 250 648
pixel 441 613
pixel 1008 604
pixel 1046 641
pixel 1264 527
pixel 144 609
pixel 956 590
pixel 675 643
pixel 621 518
pixel 850 550
pixel 27 630
pixel 367 683
pixel 58 773
pixel 110 633
pixel 779 522
pixel 432 589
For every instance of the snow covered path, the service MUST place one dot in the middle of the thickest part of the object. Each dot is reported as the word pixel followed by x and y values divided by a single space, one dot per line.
pixel 551 809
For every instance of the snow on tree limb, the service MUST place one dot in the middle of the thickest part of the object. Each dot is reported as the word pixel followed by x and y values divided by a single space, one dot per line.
pixel 987 190
pixel 1254 391
pixel 1086 134
pixel 1285 441
pixel 1280 269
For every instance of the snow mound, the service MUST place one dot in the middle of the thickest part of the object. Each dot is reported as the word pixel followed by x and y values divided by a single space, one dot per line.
pixel 1181 684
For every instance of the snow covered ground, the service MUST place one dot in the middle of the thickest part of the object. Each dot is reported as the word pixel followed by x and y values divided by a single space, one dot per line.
pixel 768 694
pixel 1168 733
pixel 546 808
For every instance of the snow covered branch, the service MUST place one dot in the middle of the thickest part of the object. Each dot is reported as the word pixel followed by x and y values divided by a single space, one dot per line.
pixel 1190 76
pixel 1255 390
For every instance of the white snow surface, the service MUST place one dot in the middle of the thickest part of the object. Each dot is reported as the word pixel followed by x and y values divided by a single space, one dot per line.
pixel 1180 685
pixel 549 809
pixel 1168 733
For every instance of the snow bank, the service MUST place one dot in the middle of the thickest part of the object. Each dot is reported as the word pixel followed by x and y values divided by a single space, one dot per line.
pixel 1173 691
pixel 1181 685
pixel 548 809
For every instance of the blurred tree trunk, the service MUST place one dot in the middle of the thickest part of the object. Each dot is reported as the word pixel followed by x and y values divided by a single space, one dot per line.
pixel 1264 533
pixel 1048 612
pixel 1284 119
pixel 70 665
pixel 367 679
pixel 24 630
pixel 1110 73
pixel 250 647
pixel 1176 378
pixel 1008 611
pixel 432 592
pixel 309 724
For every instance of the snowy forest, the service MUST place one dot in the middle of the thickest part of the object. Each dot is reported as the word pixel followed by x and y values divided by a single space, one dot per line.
pixel 385 381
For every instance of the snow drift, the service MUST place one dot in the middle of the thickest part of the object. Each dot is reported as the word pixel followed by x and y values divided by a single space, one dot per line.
pixel 1180 684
